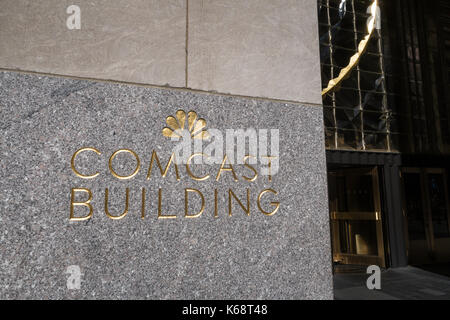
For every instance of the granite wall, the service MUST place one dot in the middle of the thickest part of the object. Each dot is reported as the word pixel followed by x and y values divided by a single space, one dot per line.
pixel 221 230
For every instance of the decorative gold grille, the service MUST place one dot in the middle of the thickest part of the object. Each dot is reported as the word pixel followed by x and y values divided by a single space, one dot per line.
pixel 357 112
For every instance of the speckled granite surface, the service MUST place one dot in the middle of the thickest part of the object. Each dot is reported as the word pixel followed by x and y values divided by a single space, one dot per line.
pixel 44 120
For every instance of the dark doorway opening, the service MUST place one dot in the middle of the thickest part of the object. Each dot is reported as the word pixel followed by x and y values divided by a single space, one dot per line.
pixel 427 215
pixel 356 216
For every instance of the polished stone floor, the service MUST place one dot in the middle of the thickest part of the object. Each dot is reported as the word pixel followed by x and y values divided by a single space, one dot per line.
pixel 408 283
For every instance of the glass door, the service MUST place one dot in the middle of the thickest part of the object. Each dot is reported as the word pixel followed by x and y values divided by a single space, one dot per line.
pixel 356 219
pixel 426 211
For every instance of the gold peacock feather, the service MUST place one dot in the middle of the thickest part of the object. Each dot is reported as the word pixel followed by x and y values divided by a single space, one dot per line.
pixel 177 124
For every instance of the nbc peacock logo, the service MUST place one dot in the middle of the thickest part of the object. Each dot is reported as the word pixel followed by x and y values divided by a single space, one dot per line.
pixel 190 122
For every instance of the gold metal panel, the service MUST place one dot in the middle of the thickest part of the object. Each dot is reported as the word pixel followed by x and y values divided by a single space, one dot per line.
pixel 356 216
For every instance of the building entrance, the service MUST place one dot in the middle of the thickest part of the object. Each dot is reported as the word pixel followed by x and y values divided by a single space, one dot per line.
pixel 356 217
pixel 426 214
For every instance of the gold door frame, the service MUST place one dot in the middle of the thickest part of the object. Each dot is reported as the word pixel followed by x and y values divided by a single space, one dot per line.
pixel 335 217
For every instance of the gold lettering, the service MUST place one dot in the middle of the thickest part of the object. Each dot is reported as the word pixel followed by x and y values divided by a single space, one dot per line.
pixel 250 167
pixel 160 215
pixel 216 213
pixel 86 203
pixel 222 168
pixel 127 191
pixel 276 204
pixel 163 173
pixel 186 205
pixel 188 169
pixel 143 204
pixel 231 194
pixel 138 165
pixel 270 165
pixel 72 163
